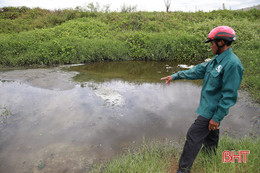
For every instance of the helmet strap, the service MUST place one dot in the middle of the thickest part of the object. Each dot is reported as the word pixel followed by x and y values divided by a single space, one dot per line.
pixel 219 47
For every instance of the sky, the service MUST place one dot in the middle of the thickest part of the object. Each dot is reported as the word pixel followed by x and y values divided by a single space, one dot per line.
pixel 142 5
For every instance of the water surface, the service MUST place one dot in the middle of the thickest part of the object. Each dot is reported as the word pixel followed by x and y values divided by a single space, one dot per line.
pixel 63 120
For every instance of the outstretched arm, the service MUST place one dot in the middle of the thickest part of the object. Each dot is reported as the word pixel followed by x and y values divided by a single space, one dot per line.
pixel 196 72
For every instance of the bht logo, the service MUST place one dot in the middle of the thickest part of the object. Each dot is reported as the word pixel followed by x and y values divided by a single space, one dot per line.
pixel 228 156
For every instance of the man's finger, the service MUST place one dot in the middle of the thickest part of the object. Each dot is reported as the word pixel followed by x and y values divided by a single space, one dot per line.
pixel 213 128
pixel 163 78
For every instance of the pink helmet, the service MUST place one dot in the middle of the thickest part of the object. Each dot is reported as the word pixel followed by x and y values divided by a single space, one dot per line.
pixel 222 33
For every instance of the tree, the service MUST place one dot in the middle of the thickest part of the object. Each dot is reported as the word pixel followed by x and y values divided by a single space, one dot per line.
pixel 167 4
pixel 128 9
pixel 93 8
pixel 224 7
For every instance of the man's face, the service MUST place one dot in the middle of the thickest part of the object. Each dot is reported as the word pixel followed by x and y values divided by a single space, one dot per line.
pixel 214 47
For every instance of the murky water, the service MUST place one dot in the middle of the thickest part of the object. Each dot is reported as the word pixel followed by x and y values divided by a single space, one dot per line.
pixel 56 120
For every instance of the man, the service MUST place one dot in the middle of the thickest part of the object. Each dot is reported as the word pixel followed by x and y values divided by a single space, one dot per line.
pixel 222 77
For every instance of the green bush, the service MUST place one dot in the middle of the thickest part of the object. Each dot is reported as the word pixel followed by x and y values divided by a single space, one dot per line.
pixel 33 50
pixel 177 46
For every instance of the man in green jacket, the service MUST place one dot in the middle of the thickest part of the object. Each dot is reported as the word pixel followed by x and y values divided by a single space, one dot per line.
pixel 222 77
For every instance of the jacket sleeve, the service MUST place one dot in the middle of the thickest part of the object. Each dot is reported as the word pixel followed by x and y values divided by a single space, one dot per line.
pixel 231 80
pixel 196 72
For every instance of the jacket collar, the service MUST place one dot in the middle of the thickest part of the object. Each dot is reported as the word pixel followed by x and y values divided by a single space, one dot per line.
pixel 220 57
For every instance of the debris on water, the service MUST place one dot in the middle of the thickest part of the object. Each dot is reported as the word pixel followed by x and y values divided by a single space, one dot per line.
pixel 110 96
pixel 185 66
pixel 4 114
pixel 168 67
pixel 41 166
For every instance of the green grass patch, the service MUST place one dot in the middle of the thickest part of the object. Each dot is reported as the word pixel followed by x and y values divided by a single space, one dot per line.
pixel 150 157
pixel 158 157
pixel 213 163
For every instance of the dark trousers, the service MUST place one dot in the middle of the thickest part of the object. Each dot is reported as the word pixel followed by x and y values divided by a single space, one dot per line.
pixel 197 135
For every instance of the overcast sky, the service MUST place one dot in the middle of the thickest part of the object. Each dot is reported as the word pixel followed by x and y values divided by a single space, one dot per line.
pixel 142 5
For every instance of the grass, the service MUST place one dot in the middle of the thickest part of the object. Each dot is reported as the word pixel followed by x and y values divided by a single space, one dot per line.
pixel 162 157
pixel 213 163
pixel 150 157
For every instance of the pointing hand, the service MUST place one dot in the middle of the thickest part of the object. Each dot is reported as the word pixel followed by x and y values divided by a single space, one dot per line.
pixel 168 79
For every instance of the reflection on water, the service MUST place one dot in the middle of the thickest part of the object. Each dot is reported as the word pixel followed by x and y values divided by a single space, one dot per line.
pixel 130 71
pixel 60 125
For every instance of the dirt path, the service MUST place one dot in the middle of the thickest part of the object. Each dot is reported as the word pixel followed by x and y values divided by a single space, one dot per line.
pixel 174 166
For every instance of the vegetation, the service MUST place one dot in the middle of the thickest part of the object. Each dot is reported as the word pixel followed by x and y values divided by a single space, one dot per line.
pixel 162 157
pixel 150 157
pixel 44 37
pixel 213 163
pixel 4 114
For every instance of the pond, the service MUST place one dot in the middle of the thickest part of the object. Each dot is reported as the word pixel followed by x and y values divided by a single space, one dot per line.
pixel 65 118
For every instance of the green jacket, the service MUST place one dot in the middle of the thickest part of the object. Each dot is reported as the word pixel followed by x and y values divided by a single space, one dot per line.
pixel 222 77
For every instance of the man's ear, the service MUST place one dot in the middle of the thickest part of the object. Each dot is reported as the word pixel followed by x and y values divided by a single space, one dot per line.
pixel 221 42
